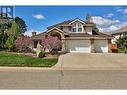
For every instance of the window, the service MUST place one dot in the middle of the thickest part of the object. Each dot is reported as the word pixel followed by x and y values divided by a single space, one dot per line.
pixel 74 28
pixel 77 27
pixel 61 28
pixel 69 28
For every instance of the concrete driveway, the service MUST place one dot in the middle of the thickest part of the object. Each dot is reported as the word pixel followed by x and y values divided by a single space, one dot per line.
pixel 92 61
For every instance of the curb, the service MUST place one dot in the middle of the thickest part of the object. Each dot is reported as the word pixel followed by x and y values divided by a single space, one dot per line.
pixel 26 69
pixel 38 69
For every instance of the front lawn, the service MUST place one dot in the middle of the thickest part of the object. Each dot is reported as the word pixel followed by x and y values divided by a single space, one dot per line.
pixel 7 59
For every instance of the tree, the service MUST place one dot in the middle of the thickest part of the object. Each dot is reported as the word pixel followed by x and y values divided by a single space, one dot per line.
pixel 12 34
pixel 23 44
pixel 53 44
pixel 122 44
pixel 3 38
pixel 21 23
pixel 10 43
pixel 10 27
pixel 5 22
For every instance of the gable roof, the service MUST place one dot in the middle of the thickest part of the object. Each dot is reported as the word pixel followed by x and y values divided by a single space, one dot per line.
pixel 77 19
pixel 56 29
pixel 66 23
pixel 40 35
pixel 121 30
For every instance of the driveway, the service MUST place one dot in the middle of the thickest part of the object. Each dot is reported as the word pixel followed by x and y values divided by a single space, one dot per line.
pixel 92 60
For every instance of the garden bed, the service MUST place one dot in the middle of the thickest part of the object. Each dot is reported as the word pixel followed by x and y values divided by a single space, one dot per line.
pixel 20 60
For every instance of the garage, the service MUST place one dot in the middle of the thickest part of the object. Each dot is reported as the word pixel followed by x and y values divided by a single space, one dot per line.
pixel 82 46
pixel 101 46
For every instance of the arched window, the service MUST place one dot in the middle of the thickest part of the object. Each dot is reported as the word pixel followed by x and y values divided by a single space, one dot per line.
pixel 77 27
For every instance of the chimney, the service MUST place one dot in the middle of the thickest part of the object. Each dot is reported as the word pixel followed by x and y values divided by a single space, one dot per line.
pixel 89 18
pixel 33 34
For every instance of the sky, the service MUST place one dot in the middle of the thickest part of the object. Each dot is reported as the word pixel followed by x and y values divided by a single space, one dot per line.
pixel 38 18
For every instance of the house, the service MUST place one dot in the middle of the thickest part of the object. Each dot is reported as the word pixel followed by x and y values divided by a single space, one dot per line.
pixel 119 33
pixel 78 36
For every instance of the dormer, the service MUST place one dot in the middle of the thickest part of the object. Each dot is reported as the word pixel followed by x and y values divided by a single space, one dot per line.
pixel 77 26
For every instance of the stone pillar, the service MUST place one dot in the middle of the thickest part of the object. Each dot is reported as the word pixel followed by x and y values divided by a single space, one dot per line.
pixel 92 46
pixel 109 45
pixel 63 45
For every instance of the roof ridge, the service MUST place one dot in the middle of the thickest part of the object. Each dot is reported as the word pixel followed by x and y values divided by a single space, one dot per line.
pixel 65 22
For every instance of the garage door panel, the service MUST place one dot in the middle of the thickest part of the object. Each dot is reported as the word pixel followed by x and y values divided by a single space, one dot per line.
pixel 101 46
pixel 79 46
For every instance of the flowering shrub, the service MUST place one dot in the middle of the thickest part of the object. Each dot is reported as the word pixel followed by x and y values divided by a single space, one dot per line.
pixel 53 44
pixel 23 44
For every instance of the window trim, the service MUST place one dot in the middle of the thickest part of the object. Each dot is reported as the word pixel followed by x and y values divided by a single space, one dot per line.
pixel 77 26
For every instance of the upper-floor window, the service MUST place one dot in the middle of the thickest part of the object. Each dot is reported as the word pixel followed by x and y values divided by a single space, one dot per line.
pixel 77 27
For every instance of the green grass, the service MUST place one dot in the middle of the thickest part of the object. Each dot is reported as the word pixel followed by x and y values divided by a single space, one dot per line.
pixel 3 49
pixel 7 59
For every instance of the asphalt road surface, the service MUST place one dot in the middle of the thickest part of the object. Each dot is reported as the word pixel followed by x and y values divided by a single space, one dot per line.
pixel 66 79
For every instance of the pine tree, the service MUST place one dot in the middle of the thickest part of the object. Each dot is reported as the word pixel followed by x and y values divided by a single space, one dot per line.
pixel 12 34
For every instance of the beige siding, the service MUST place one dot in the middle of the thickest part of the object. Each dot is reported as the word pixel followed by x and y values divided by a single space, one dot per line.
pixel 66 28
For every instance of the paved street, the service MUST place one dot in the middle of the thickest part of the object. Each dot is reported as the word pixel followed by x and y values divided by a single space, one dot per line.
pixel 68 79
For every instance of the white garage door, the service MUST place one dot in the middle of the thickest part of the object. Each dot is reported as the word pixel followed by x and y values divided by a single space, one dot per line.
pixel 79 46
pixel 101 46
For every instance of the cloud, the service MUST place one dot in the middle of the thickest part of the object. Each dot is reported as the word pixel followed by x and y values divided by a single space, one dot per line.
pixel 124 11
pixel 104 22
pixel 106 25
pixel 39 16
pixel 113 27
pixel 110 15
pixel 107 29
pixel 29 32
pixel 119 10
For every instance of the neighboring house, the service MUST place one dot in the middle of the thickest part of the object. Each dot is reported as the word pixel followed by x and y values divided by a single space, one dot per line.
pixel 78 36
pixel 119 33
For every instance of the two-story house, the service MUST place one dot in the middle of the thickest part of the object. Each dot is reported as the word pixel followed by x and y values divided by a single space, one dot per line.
pixel 78 36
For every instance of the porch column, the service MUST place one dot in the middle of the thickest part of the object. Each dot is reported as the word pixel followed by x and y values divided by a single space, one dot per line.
pixel 92 46
pixel 63 45
pixel 109 46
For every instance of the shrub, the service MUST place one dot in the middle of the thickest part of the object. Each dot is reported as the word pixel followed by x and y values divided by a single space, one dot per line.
pixel 53 44
pixel 24 44
pixel 24 49
pixel 122 44
pixel 41 54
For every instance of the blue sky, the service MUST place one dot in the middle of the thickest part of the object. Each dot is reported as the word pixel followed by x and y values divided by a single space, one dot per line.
pixel 38 18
